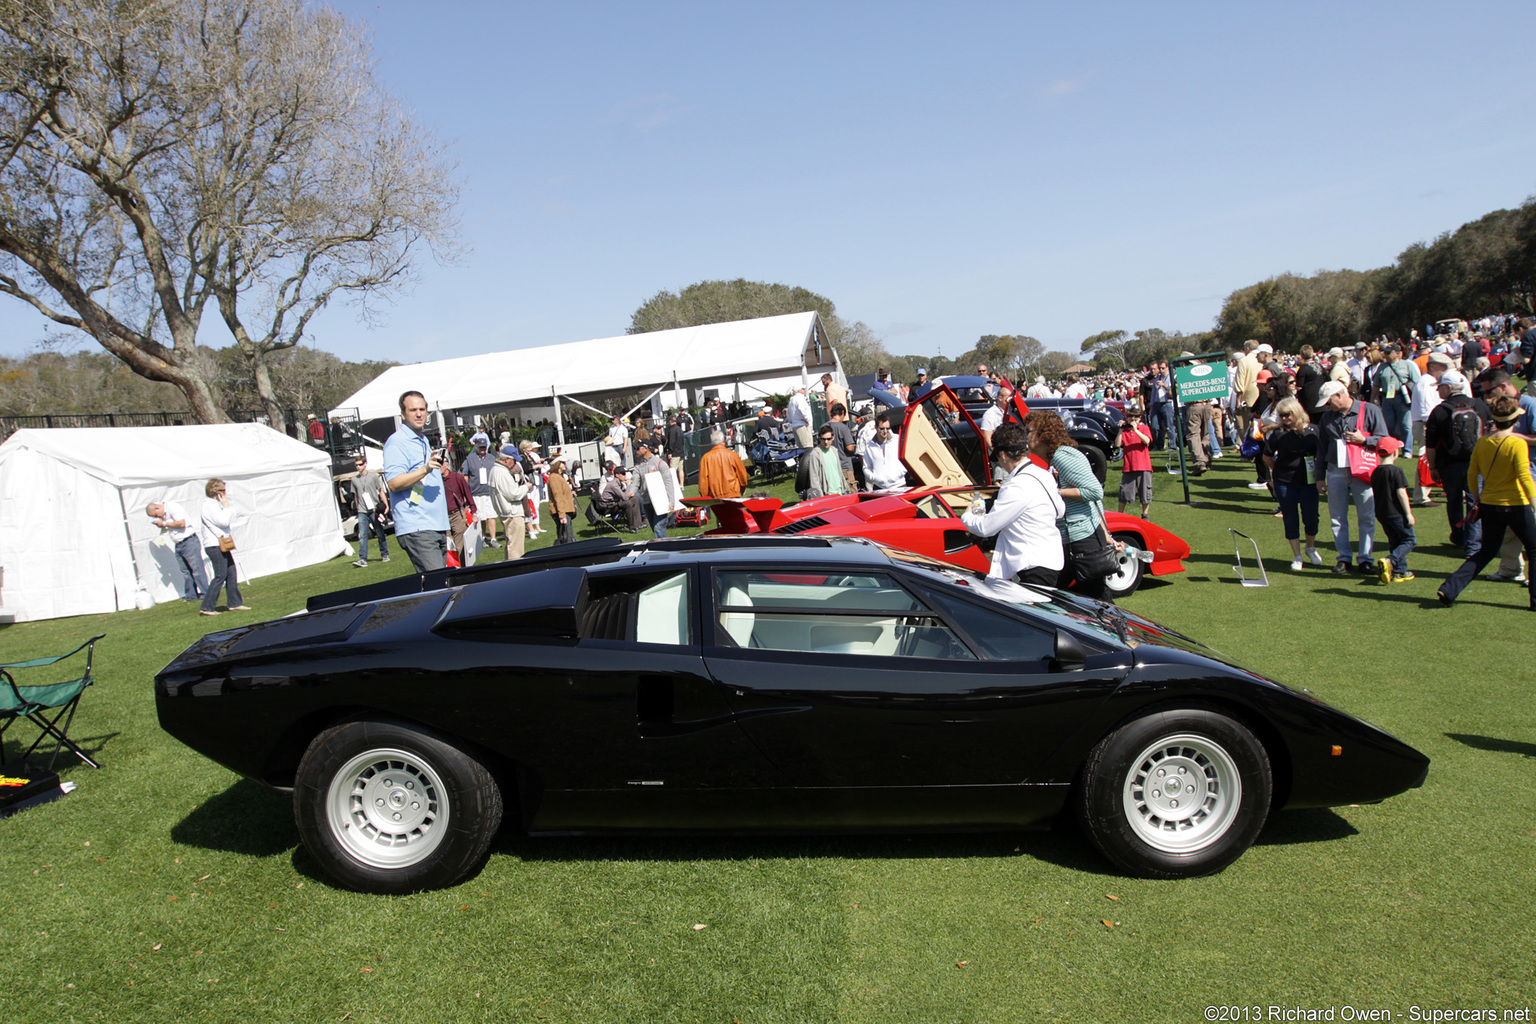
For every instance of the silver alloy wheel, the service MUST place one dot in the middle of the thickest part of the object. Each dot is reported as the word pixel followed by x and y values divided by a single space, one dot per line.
pixel 387 808
pixel 1125 578
pixel 1182 793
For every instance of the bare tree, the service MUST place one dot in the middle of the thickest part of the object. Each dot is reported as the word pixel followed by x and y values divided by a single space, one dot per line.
pixel 162 154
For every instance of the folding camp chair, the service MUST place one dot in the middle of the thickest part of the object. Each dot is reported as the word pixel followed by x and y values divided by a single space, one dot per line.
pixel 44 705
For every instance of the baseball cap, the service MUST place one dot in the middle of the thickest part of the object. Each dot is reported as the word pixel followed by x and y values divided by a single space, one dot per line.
pixel 1389 446
pixel 1454 380
pixel 1327 391
pixel 922 371
pixel 1441 358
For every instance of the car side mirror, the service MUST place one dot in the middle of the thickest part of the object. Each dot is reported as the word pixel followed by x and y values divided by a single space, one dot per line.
pixel 1070 656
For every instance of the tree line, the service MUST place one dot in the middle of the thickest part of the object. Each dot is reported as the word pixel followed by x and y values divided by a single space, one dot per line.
pixel 51 382
pixel 1484 267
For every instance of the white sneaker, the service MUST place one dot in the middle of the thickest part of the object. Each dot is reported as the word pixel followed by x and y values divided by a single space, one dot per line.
pixel 1256 486
pixel 360 564
pixel 1314 557
pixel 1295 565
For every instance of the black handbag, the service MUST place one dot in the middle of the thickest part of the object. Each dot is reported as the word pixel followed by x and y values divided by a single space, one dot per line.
pixel 1094 557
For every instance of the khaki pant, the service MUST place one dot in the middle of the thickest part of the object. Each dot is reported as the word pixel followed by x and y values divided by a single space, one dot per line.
pixel 514 537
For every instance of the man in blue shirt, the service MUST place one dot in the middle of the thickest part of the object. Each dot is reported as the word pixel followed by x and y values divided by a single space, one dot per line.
pixel 413 475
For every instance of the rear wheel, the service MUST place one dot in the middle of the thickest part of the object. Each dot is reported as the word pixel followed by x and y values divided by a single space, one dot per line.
pixel 1097 459
pixel 1127 578
pixel 1175 794
pixel 389 807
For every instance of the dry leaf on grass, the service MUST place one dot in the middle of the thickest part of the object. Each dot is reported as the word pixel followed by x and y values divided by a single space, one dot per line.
pixel 700 927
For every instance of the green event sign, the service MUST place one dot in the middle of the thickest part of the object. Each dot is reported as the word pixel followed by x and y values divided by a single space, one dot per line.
pixel 1200 381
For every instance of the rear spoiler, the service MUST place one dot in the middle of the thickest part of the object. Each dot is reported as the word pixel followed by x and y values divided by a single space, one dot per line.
pixel 742 515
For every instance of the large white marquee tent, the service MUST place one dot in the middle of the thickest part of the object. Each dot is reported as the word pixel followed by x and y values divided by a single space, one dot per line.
pixel 763 350
pixel 74 538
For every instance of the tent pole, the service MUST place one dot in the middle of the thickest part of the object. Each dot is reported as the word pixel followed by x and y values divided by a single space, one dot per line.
pixel 559 423
pixel 132 558
pixel 677 399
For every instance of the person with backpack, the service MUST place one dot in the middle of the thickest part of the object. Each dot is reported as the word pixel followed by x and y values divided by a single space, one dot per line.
pixel 1450 435
pixel 1506 499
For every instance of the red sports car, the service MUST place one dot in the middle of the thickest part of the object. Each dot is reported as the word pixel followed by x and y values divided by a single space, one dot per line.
pixel 944 452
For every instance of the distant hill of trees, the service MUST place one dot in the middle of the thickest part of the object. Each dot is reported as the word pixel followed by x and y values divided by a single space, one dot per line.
pixel 1484 267
pixel 48 382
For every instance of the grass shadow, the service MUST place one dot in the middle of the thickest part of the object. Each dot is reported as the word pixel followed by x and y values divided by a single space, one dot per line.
pixel 1494 744
pixel 246 818
pixel 92 745
pixel 1312 825
pixel 1062 846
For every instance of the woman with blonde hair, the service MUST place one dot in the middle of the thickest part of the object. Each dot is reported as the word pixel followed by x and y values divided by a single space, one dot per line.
pixel 1506 499
pixel 1290 452
pixel 219 545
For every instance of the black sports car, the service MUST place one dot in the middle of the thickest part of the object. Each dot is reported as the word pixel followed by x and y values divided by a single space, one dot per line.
pixel 752 684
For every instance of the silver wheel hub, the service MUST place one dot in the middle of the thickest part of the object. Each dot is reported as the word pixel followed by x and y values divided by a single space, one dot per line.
pixel 1182 793
pixel 387 808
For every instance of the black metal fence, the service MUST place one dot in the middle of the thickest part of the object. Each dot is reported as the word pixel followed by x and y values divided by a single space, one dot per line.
pixel 9 423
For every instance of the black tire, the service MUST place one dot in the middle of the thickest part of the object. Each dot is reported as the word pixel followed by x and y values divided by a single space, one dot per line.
pixel 1125 582
pixel 1155 833
pixel 390 807
pixel 1097 459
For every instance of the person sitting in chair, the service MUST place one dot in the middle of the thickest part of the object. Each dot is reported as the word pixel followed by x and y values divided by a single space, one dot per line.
pixel 616 494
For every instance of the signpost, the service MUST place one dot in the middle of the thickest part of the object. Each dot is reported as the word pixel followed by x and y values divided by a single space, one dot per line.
pixel 1195 379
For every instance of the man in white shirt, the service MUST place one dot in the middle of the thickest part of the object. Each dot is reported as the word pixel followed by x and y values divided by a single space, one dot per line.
pixel 1023 518
pixel 1426 395
pixel 185 545
pixel 993 417
pixel 1039 389
pixel 798 418
pixel 883 470
pixel 1074 388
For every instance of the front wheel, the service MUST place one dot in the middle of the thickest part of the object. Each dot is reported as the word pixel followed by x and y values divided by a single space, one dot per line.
pixel 1175 794
pixel 1124 581
pixel 389 807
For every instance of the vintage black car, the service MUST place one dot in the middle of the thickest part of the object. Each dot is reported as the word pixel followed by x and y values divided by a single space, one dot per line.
pixel 752 684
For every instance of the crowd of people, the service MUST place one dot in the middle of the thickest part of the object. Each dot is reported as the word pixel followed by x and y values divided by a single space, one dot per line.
pixel 1323 429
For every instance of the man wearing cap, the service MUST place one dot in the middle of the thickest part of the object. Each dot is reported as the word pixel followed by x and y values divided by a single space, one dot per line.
pixel 1450 431
pixel 647 463
pixel 1358 365
pixel 922 379
pixel 477 467
pixel 186 546
pixel 509 491
pixel 797 419
pixel 1343 420
pixel 616 493
pixel 413 473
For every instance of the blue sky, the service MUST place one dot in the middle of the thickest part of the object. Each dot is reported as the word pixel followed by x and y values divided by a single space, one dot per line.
pixel 939 171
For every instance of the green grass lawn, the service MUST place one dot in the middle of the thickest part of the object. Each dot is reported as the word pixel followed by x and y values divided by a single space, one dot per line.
pixel 167 889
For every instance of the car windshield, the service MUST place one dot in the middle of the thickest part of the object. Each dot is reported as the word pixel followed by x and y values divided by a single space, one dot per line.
pixel 1050 604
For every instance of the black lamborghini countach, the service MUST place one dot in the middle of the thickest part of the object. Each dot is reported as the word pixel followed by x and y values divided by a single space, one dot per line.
pixel 752 684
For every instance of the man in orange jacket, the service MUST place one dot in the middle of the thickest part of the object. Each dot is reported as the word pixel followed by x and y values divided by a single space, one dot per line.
pixel 721 473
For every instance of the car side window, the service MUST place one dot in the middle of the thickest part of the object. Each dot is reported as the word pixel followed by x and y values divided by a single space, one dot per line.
pixel 829 613
pixel 998 637
pixel 645 608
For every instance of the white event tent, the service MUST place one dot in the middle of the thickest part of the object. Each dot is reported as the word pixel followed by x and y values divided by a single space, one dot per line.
pixel 74 538
pixel 766 349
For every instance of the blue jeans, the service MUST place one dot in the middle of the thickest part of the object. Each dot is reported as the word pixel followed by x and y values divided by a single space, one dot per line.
pixel 1215 440
pixel 364 521
pixel 658 523
pixel 1395 412
pixel 224 574
pixel 1400 537
pixel 1298 507
pixel 1343 491
pixel 189 558
pixel 1458 502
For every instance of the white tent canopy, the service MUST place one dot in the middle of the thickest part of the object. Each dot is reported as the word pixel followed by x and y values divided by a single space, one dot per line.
pixel 740 350
pixel 74 538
